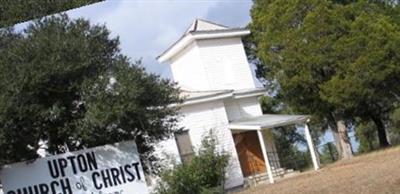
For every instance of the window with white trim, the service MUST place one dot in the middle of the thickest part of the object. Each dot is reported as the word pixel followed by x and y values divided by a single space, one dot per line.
pixel 184 146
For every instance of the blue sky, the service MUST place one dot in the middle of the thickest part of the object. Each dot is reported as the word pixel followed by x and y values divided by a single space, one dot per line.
pixel 147 27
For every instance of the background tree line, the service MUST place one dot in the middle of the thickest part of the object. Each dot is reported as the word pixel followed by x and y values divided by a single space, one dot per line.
pixel 336 60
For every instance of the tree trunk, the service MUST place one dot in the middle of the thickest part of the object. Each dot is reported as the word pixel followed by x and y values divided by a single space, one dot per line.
pixel 383 141
pixel 338 143
pixel 370 144
pixel 335 134
pixel 347 151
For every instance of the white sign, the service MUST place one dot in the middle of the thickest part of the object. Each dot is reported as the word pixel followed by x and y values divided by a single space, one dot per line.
pixel 109 169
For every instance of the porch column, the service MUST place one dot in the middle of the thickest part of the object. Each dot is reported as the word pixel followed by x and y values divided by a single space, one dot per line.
pixel 265 155
pixel 314 156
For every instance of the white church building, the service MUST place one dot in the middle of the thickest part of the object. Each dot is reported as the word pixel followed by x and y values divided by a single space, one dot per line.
pixel 209 64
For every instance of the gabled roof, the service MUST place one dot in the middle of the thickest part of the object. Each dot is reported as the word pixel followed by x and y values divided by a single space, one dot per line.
pixel 200 29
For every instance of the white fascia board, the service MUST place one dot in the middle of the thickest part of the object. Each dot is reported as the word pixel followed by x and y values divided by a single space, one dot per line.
pixel 245 127
pixel 202 100
pixel 186 40
pixel 221 34
pixel 210 99
pixel 236 96
pixel 189 38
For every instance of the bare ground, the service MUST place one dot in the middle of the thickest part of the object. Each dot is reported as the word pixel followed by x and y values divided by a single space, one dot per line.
pixel 374 173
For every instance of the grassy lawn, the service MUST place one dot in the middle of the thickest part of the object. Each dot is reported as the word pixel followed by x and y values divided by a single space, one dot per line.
pixel 373 173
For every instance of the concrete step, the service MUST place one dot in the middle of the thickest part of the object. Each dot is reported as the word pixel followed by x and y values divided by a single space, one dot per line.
pixel 263 177
pixel 291 174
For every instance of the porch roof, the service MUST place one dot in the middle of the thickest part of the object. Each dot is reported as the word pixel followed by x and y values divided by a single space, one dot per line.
pixel 267 121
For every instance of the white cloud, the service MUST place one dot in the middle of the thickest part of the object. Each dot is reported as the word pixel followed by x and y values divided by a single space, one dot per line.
pixel 146 28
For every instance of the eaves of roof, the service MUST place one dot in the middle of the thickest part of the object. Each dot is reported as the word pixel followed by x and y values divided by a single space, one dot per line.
pixel 187 38
pixel 209 97
pixel 222 94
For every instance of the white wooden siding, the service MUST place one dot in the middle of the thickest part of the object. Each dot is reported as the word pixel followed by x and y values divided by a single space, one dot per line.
pixel 217 54
pixel 188 70
pixel 199 120
pixel 242 108
pixel 213 65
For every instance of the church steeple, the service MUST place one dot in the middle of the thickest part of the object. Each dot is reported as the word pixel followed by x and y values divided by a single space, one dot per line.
pixel 201 29
pixel 210 56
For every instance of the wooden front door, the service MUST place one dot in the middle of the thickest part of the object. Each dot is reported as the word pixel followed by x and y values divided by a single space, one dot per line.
pixel 249 152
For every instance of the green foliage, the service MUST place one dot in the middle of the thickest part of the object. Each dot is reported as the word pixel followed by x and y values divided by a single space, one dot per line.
pixel 328 154
pixel 15 11
pixel 366 80
pixel 366 136
pixel 394 129
pixel 287 142
pixel 65 82
pixel 292 47
pixel 366 133
pixel 278 34
pixel 395 118
pixel 204 174
pixel 334 59
pixel 271 105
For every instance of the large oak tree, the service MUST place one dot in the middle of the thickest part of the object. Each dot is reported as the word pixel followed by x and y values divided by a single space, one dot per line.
pixel 65 82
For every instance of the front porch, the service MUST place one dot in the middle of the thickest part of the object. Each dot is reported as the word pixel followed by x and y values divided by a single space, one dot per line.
pixel 255 144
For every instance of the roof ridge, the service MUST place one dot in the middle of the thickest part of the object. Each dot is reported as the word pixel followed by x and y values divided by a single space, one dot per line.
pixel 196 22
pixel 223 90
pixel 210 22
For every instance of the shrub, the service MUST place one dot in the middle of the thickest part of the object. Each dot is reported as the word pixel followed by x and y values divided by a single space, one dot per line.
pixel 204 174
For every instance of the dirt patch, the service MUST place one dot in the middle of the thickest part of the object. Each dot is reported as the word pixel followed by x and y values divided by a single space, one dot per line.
pixel 373 173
